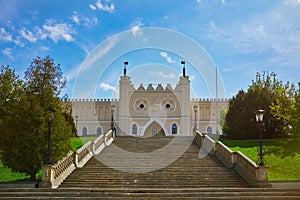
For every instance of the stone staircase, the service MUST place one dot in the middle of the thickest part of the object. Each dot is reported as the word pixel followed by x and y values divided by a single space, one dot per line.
pixel 188 171
pixel 188 177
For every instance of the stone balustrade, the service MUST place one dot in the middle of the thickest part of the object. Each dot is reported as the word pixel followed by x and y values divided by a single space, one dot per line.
pixel 257 176
pixel 99 144
pixel 54 175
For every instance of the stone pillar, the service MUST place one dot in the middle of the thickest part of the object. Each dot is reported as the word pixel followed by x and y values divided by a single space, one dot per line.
pixel 46 177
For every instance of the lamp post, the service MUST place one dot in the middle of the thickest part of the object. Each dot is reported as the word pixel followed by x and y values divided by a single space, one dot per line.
pixel 112 117
pixel 195 122
pixel 259 115
pixel 76 121
pixel 51 112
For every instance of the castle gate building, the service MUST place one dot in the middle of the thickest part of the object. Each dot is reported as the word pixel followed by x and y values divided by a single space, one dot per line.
pixel 149 111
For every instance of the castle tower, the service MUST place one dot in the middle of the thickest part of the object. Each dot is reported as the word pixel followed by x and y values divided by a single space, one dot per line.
pixel 125 88
pixel 183 94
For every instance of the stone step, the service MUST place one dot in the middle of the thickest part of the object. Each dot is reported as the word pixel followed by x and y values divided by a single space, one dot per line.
pixel 187 171
pixel 142 193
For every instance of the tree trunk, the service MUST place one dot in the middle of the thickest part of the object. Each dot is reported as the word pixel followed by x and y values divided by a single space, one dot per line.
pixel 33 177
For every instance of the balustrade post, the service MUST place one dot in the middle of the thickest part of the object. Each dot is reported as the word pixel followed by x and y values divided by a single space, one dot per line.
pixel 262 174
pixel 47 177
pixel 76 159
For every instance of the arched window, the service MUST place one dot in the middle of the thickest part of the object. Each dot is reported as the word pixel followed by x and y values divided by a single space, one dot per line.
pixel 209 130
pixel 174 129
pixel 99 131
pixel 84 131
pixel 134 129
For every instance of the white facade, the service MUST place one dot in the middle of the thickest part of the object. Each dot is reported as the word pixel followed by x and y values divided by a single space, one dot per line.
pixel 148 111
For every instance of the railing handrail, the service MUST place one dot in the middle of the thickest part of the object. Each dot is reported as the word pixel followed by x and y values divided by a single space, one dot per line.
pixel 84 147
pixel 254 174
pixel 56 173
pixel 247 160
pixel 59 162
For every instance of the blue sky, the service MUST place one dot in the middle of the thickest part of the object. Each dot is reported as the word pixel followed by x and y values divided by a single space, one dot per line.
pixel 241 37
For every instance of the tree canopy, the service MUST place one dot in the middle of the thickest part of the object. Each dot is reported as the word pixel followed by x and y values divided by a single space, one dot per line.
pixel 266 92
pixel 24 117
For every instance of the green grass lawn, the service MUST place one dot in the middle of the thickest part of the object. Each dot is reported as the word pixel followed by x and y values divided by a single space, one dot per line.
pixel 282 156
pixel 7 175
pixel 77 142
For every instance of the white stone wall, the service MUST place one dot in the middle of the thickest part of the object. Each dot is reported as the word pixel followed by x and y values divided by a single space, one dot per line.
pixel 146 106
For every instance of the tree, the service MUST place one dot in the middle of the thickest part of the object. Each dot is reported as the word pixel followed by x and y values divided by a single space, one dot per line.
pixel 222 115
pixel 287 108
pixel 24 137
pixel 11 89
pixel 45 79
pixel 25 126
pixel 264 92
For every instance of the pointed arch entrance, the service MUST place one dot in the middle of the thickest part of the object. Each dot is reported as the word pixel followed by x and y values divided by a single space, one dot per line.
pixel 154 128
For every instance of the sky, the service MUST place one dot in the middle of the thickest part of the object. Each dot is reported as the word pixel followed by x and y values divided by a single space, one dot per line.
pixel 238 38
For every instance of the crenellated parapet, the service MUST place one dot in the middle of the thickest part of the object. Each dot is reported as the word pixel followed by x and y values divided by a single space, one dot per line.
pixel 210 100
pixel 151 88
pixel 93 100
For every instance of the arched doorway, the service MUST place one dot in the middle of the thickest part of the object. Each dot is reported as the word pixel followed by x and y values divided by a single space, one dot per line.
pixel 154 129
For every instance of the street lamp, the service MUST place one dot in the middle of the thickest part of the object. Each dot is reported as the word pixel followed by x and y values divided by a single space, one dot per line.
pixel 112 117
pixel 51 112
pixel 195 122
pixel 259 115
pixel 76 120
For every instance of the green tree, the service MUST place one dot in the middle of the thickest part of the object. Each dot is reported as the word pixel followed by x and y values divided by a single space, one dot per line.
pixel 24 137
pixel 264 92
pixel 222 116
pixel 24 126
pixel 11 89
pixel 45 79
pixel 287 108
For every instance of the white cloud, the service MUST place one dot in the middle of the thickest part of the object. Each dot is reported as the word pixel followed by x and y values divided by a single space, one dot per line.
pixel 107 87
pixel 93 7
pixel 7 52
pixel 167 75
pixel 5 36
pixel 18 42
pixel 167 57
pixel 104 7
pixel 28 35
pixel 164 75
pixel 58 31
pixel 88 22
pixel 41 33
pixel 75 18
pixel 136 27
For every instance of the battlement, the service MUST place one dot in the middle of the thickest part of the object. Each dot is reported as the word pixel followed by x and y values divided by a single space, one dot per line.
pixel 93 100
pixel 194 100
pixel 152 88
pixel 202 100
